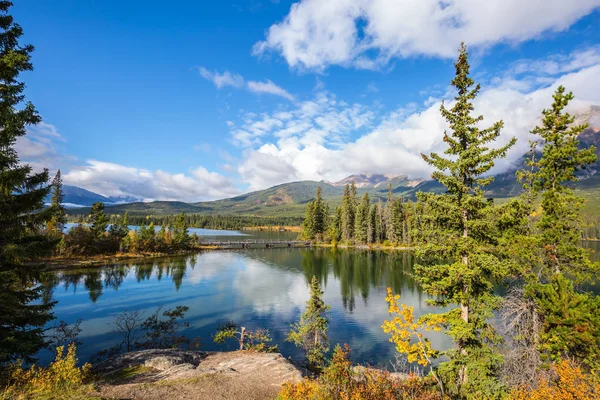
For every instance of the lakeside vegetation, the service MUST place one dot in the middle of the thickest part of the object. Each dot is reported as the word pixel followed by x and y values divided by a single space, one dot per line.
pixel 467 245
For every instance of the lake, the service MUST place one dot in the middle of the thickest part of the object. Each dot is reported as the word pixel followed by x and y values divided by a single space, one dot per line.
pixel 254 287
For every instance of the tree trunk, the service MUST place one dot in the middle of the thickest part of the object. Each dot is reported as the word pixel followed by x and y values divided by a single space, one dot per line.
pixel 242 337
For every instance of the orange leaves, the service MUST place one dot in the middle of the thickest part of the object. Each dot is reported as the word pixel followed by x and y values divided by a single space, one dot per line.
pixel 570 383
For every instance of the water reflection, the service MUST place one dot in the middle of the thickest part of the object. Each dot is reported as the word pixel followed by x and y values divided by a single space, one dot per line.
pixel 257 287
pixel 261 287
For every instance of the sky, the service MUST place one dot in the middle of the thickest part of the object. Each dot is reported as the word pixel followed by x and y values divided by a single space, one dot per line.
pixel 199 100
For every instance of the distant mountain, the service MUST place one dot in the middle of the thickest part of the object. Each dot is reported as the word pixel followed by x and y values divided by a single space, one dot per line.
pixel 290 198
pixel 78 197
pixel 377 181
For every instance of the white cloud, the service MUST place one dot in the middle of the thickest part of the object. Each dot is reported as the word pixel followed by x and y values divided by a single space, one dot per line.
pixel 368 33
pixel 328 139
pixel 38 147
pixel 269 88
pixel 221 80
pixel 111 179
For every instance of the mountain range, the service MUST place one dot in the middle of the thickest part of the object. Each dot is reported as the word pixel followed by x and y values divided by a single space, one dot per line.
pixel 289 199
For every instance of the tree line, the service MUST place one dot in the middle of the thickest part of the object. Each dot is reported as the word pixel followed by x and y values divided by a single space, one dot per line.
pixel 229 222
pixel 358 221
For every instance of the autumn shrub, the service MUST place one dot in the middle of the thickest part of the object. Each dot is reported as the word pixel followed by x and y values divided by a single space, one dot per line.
pixel 341 381
pixel 569 382
pixel 62 379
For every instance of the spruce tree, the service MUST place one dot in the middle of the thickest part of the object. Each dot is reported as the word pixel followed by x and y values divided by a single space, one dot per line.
pixel 319 214
pixel 98 220
pixel 361 220
pixel 463 232
pixel 389 212
pixel 22 194
pixel 348 210
pixel 372 225
pixel 570 319
pixel 560 225
pixel 181 236
pixel 308 225
pixel 310 333
pixel 58 213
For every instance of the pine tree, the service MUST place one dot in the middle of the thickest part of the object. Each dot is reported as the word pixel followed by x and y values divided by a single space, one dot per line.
pixel 181 236
pixel 58 214
pixel 570 327
pixel 397 220
pixel 389 212
pixel 98 220
pixel 320 214
pixel 348 210
pixel 372 225
pixel 361 220
pixel 560 224
pixel 308 225
pixel 381 224
pixel 22 194
pixel 310 334
pixel 462 231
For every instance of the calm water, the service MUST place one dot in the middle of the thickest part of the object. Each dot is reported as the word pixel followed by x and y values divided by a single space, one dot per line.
pixel 256 287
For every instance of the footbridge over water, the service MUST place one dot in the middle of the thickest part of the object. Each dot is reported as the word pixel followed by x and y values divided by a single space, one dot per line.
pixel 246 244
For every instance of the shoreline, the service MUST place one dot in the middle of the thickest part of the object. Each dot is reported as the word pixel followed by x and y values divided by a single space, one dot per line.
pixel 58 263
pixel 74 262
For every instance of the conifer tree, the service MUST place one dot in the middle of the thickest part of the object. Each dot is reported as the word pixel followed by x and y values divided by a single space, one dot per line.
pixel 308 225
pixel 22 193
pixel 361 221
pixel 348 210
pixel 560 225
pixel 390 233
pixel 98 220
pixel 372 225
pixel 397 220
pixel 319 213
pixel 58 214
pixel 570 319
pixel 310 334
pixel 462 231
pixel 181 235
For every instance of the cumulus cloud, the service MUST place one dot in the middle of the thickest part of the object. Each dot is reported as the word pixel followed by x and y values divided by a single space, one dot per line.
pixel 368 33
pixel 221 80
pixel 269 88
pixel 112 179
pixel 316 140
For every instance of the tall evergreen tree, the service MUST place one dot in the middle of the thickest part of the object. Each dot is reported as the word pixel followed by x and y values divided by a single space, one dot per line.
pixel 98 220
pixel 570 319
pixel 22 193
pixel 361 220
pixel 310 334
pixel 390 233
pixel 560 225
pixel 463 232
pixel 58 213
pixel 348 210
pixel 308 225
pixel 320 214
pixel 181 236
pixel 397 220
pixel 372 225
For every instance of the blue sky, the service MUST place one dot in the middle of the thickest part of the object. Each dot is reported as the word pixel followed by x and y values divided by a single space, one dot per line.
pixel 196 100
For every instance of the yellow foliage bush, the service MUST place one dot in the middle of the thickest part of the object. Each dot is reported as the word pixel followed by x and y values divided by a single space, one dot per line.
pixel 569 383
pixel 62 379
pixel 340 381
